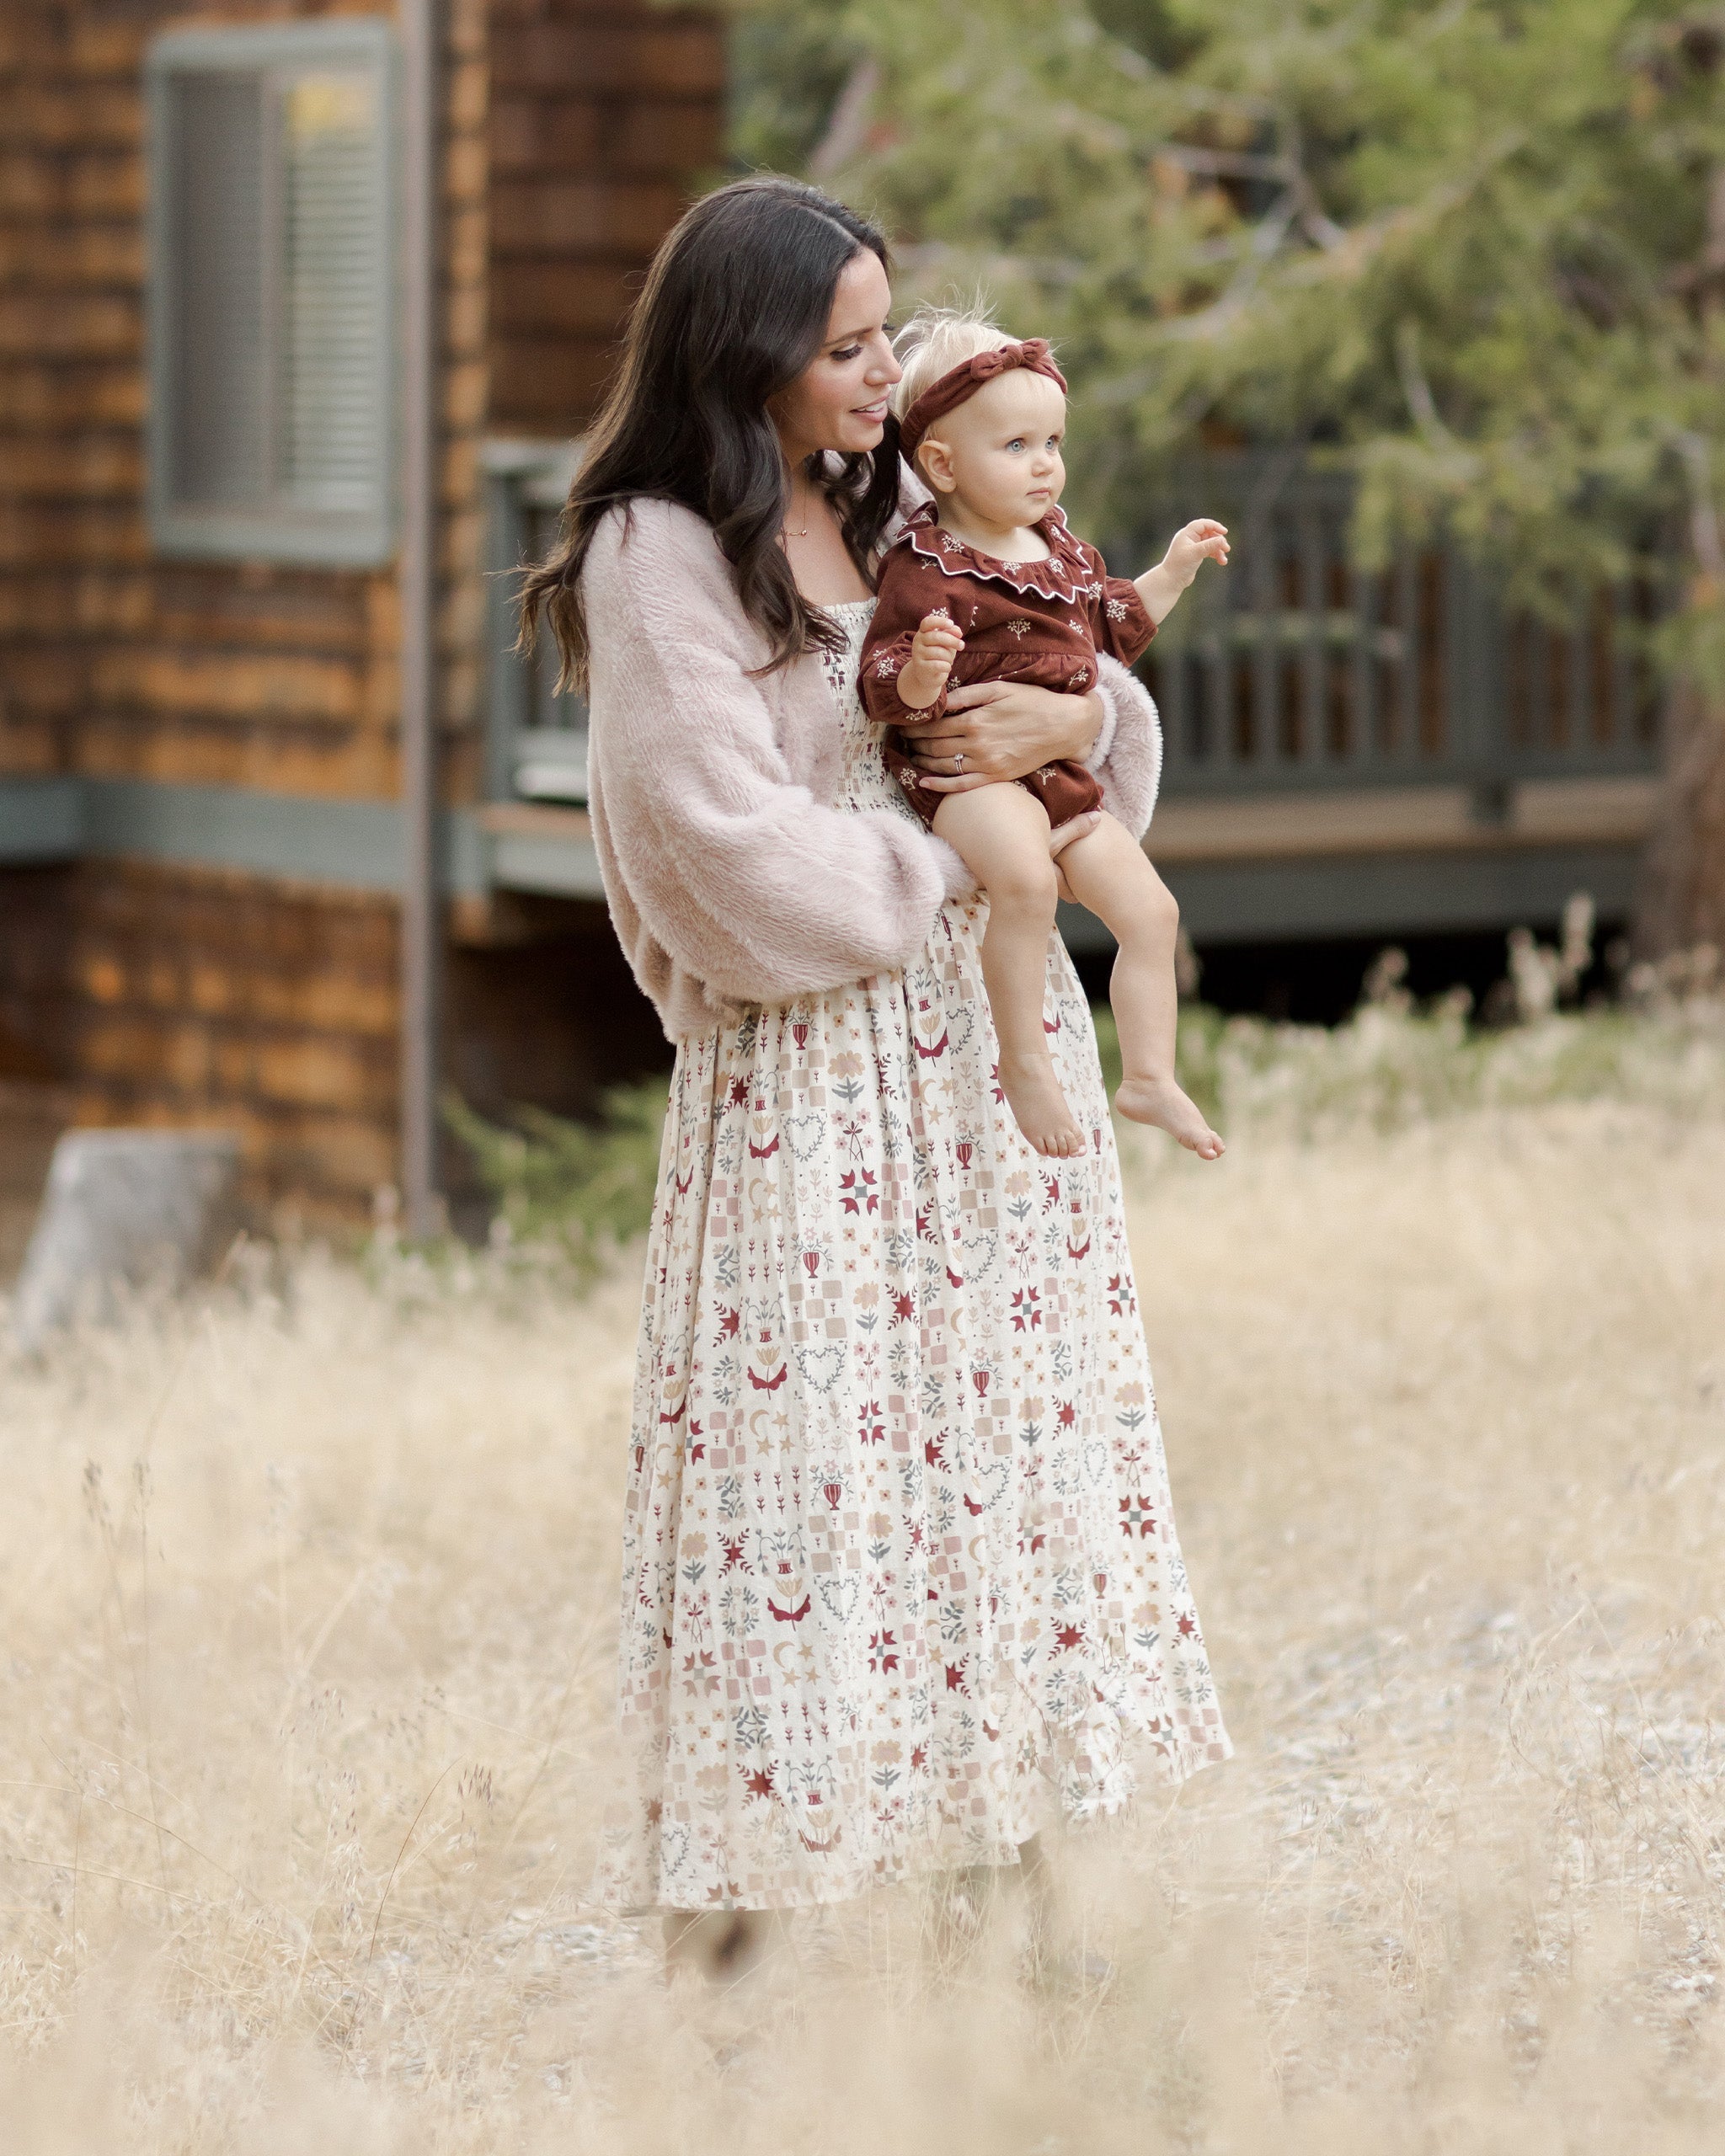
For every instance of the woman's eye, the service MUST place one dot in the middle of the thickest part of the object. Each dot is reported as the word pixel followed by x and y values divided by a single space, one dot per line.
pixel 849 352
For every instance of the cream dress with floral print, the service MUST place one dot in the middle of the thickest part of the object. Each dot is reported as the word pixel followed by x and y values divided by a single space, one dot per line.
pixel 900 1578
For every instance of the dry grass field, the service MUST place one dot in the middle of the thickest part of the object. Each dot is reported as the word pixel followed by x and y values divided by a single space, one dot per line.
pixel 307 1608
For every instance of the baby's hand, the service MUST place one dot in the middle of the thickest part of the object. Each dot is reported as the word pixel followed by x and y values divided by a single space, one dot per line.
pixel 936 644
pixel 1203 540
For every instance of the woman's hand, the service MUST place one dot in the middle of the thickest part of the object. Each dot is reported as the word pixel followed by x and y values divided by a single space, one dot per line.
pixel 997 730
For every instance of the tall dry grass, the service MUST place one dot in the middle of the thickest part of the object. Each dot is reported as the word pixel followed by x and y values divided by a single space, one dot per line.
pixel 309 1603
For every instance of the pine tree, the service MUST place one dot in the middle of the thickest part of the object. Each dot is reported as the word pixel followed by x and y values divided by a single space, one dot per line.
pixel 1474 249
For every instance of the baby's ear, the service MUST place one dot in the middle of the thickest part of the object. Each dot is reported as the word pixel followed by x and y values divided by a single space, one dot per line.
pixel 936 459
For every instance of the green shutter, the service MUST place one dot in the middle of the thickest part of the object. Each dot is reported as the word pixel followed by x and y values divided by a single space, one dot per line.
pixel 271 292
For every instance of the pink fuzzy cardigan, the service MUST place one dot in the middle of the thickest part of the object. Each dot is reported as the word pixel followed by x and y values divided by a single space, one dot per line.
pixel 731 878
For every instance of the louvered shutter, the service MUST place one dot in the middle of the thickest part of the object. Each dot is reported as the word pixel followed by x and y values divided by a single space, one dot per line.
pixel 271 313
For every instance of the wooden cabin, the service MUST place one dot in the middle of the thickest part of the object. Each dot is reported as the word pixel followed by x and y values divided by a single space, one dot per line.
pixel 201 829
pixel 214 844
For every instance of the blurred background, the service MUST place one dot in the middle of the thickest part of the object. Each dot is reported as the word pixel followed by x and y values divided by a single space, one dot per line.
pixel 308 1578
pixel 303 311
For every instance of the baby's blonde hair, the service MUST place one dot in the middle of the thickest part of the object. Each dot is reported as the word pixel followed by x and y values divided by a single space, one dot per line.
pixel 934 341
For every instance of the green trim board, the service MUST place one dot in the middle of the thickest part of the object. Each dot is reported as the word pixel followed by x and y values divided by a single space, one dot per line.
pixel 564 868
pixel 357 844
pixel 41 819
pixel 1386 894
pixel 352 845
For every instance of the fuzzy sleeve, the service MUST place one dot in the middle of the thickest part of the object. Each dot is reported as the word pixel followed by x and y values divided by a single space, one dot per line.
pixel 1128 756
pixel 757 889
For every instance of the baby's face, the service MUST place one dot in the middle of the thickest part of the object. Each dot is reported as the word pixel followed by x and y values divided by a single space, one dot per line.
pixel 998 455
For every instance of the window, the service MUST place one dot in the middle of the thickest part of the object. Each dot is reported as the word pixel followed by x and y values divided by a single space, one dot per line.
pixel 271 292
pixel 536 739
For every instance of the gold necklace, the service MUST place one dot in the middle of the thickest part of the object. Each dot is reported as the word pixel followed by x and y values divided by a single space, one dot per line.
pixel 790 532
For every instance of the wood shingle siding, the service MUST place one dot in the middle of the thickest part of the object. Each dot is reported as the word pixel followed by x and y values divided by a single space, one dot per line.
pixel 186 721
pixel 174 995
pixel 602 121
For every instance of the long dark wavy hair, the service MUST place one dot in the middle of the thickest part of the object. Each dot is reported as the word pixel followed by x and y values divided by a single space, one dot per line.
pixel 735 306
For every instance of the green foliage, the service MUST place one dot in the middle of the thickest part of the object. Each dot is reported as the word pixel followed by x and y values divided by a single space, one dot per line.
pixel 1391 1065
pixel 1474 248
pixel 788 66
pixel 1387 1067
pixel 576 1190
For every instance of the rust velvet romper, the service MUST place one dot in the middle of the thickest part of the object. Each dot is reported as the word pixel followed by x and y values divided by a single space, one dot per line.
pixel 1042 622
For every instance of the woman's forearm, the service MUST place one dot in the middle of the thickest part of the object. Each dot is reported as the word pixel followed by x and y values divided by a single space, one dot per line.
pixel 1001 731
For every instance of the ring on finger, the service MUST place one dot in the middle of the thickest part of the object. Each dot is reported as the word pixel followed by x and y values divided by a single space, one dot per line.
pixel 958 761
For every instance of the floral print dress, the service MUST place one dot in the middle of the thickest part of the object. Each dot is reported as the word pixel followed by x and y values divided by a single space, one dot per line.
pixel 900 1577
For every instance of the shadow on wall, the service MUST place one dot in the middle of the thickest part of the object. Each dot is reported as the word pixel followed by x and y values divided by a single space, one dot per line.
pixel 552 1021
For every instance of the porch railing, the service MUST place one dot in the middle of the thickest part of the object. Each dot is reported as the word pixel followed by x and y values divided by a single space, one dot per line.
pixel 1294 670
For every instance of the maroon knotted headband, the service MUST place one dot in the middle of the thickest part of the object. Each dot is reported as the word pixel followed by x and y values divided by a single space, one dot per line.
pixel 963 383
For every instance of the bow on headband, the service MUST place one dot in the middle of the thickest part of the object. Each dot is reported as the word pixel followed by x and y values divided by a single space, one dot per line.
pixel 963 383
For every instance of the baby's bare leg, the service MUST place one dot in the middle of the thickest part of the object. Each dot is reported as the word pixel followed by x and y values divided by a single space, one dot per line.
pixel 1107 871
pixel 1002 833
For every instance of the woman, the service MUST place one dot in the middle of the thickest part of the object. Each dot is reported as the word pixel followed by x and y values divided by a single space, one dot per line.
pixel 900 1577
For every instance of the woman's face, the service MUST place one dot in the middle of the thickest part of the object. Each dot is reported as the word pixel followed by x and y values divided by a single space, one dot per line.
pixel 839 399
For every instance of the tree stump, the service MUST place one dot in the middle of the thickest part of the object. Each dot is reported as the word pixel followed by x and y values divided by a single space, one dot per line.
pixel 124 1208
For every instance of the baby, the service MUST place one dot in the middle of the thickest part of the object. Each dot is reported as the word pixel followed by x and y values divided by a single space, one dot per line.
pixel 986 583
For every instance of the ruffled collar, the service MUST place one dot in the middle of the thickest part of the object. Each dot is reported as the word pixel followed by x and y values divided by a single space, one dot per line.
pixel 1065 575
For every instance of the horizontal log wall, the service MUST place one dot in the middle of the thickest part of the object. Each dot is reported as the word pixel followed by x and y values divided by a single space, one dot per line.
pixel 603 121
pixel 156 993
pixel 152 993
pixel 174 996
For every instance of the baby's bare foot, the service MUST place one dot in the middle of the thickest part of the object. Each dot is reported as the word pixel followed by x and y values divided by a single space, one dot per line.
pixel 1160 1101
pixel 1034 1095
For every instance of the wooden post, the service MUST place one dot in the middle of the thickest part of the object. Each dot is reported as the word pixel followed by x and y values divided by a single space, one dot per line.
pixel 421 919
